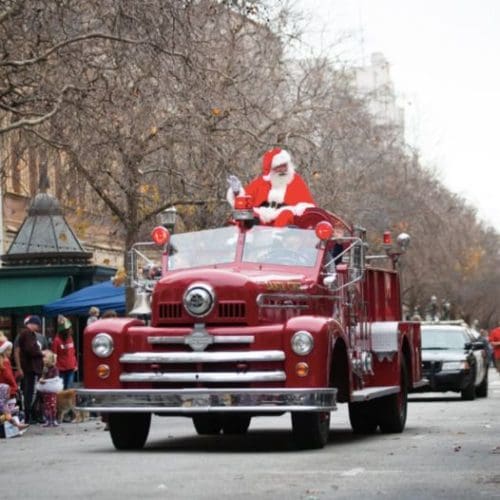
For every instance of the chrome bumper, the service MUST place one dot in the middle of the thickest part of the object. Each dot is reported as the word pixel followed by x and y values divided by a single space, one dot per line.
pixel 205 400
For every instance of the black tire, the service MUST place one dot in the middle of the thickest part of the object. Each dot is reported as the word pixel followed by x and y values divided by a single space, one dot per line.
pixel 482 388
pixel 392 410
pixel 363 417
pixel 207 424
pixel 235 424
pixel 129 431
pixel 310 429
pixel 469 392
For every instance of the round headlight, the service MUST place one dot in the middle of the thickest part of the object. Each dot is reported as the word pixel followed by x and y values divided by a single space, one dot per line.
pixel 302 343
pixel 102 345
pixel 199 299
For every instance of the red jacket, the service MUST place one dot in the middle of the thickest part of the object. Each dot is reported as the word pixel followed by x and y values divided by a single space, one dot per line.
pixel 65 352
pixel 495 337
pixel 7 377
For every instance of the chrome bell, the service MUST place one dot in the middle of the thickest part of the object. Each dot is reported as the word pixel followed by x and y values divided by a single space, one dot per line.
pixel 142 304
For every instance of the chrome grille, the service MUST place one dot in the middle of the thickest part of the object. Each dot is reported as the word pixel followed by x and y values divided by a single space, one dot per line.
pixel 171 310
pixel 232 310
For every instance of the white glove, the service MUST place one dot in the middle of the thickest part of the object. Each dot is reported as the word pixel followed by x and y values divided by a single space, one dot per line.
pixel 234 184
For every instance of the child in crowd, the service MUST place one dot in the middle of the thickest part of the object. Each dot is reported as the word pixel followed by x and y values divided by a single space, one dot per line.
pixel 8 388
pixel 50 385
pixel 93 315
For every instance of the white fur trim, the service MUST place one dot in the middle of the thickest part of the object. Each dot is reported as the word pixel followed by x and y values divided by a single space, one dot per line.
pixel 300 208
pixel 281 158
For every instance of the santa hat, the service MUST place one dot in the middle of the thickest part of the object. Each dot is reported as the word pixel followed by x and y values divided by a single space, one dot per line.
pixel 33 319
pixel 4 346
pixel 273 158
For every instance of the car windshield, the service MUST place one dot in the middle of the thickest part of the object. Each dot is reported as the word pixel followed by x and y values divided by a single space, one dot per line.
pixel 203 248
pixel 281 245
pixel 436 338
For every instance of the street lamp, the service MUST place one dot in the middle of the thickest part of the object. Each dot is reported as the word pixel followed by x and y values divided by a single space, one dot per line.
pixel 168 218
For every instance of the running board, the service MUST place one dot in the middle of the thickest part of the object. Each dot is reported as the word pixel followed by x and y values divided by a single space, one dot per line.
pixel 421 383
pixel 373 392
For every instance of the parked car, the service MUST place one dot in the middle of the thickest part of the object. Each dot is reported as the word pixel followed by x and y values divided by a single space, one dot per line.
pixel 453 360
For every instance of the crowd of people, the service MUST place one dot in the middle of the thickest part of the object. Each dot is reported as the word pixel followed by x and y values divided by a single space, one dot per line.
pixel 34 369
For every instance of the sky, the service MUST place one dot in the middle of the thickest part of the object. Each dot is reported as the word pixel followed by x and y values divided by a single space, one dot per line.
pixel 445 65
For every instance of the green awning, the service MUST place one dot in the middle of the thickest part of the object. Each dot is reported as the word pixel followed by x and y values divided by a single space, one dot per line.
pixel 29 295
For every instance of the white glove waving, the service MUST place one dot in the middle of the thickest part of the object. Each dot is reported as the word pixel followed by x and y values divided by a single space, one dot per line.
pixel 234 184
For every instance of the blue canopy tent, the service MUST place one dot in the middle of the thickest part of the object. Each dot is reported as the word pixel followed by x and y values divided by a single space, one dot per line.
pixel 102 295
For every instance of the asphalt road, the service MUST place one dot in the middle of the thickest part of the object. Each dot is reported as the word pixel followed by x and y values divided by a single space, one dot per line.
pixel 449 450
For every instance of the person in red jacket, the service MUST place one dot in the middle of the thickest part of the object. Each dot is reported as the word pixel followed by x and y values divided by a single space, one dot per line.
pixel 8 387
pixel 494 338
pixel 279 194
pixel 63 347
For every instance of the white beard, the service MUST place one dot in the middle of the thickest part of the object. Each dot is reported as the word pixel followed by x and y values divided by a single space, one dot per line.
pixel 279 184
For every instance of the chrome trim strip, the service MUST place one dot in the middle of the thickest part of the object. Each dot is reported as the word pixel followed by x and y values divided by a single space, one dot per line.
pixel 206 400
pixel 202 357
pixel 217 339
pixel 373 392
pixel 232 377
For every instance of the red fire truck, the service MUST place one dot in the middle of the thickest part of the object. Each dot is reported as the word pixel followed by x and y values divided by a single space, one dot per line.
pixel 251 320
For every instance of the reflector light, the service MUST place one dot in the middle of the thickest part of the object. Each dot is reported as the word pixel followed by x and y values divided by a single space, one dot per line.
pixel 324 230
pixel 302 369
pixel 387 238
pixel 243 202
pixel 160 235
pixel 103 371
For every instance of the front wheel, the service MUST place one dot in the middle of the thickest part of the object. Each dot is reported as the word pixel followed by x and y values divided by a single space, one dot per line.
pixel 482 388
pixel 129 431
pixel 207 424
pixel 363 417
pixel 469 391
pixel 235 424
pixel 392 409
pixel 311 429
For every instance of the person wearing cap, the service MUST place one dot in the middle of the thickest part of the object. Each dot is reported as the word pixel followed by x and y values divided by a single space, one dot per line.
pixel 279 194
pixel 30 362
pixel 63 347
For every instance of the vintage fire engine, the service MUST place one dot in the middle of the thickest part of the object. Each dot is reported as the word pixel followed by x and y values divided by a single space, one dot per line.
pixel 251 320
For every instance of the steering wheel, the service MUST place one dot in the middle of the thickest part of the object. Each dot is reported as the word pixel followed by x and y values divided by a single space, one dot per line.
pixel 287 257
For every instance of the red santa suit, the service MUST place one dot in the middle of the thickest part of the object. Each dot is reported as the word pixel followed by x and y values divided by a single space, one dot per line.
pixel 279 193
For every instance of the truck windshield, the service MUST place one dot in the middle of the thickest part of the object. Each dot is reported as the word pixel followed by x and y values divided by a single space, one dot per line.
pixel 203 248
pixel 281 245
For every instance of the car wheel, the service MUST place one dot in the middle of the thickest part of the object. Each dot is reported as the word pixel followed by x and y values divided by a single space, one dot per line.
pixel 393 409
pixel 310 429
pixel 482 388
pixel 235 424
pixel 129 431
pixel 469 392
pixel 363 417
pixel 207 424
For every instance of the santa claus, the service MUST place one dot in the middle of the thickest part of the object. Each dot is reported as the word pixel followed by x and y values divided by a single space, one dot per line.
pixel 278 194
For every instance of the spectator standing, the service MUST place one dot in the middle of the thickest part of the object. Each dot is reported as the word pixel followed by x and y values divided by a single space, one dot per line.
pixel 63 347
pixel 30 362
pixel 49 387
pixel 93 315
pixel 494 339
